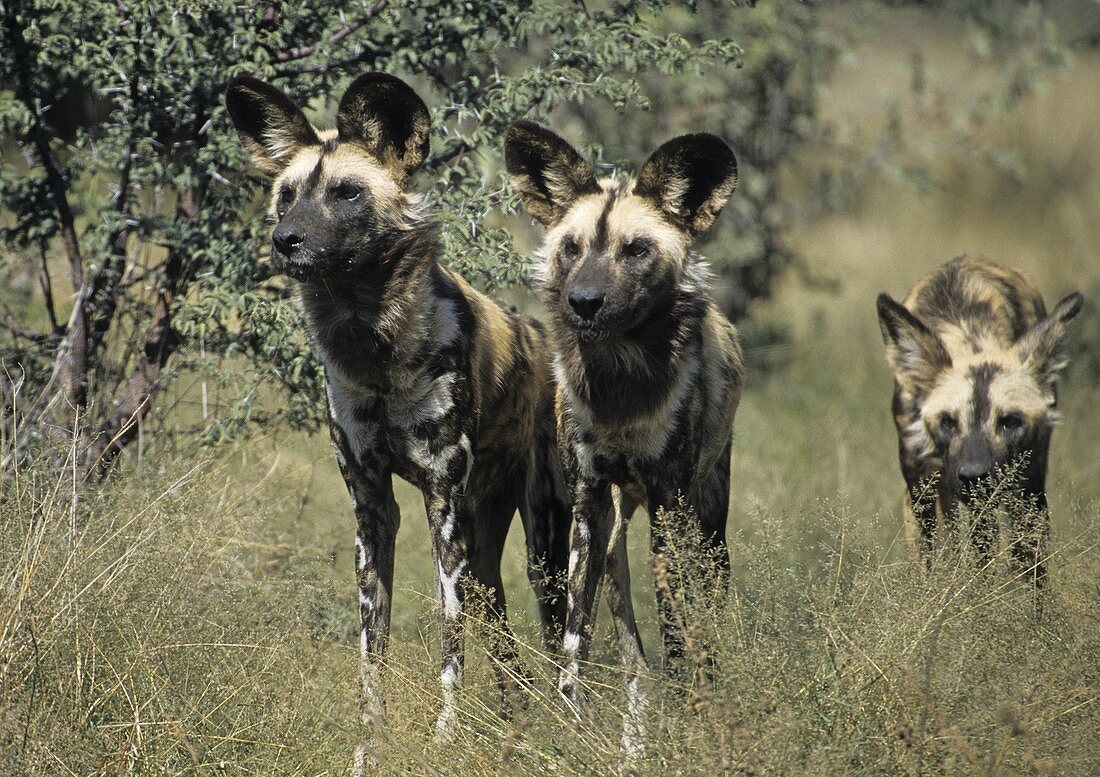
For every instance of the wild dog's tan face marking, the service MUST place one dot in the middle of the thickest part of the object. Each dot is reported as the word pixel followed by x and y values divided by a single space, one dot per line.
pixel 338 195
pixel 618 245
pixel 981 403
pixel 332 172
pixel 981 416
pixel 616 250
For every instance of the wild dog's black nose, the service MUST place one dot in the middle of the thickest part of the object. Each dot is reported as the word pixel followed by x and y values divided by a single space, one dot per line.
pixel 586 301
pixel 287 238
pixel 971 473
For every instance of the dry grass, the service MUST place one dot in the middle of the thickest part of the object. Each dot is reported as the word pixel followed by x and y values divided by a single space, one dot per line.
pixel 174 632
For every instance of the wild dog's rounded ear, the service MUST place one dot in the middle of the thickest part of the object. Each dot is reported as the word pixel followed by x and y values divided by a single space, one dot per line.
pixel 383 114
pixel 1041 347
pixel 271 126
pixel 915 352
pixel 546 172
pixel 690 178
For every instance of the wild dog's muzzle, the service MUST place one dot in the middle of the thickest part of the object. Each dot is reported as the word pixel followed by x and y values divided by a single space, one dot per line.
pixel 586 301
pixel 287 239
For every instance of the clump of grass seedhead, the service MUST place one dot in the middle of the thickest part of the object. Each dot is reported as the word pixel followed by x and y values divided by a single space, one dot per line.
pixel 142 637
pixel 690 574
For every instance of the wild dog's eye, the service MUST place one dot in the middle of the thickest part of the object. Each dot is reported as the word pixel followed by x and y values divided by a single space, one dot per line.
pixel 570 248
pixel 636 247
pixel 286 196
pixel 1009 422
pixel 346 191
pixel 947 423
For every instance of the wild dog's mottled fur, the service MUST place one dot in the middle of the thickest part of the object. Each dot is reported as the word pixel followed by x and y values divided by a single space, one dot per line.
pixel 649 371
pixel 975 359
pixel 427 378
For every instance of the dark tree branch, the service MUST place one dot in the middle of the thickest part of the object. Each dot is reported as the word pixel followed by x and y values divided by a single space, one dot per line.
pixel 301 52
pixel 47 287
pixel 18 329
pixel 72 359
pixel 161 342
pixel 106 284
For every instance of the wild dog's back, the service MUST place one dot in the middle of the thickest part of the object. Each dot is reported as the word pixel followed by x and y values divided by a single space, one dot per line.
pixel 975 305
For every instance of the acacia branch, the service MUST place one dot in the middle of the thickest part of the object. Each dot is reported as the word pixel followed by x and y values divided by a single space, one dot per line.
pixel 18 329
pixel 72 359
pixel 301 52
pixel 107 280
pixel 161 342
pixel 47 287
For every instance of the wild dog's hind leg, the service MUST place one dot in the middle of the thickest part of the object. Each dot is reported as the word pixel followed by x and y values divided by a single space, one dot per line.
pixel 486 549
pixel 690 575
pixel 547 515
pixel 626 627
pixel 587 560
pixel 711 501
pixel 447 457
pixel 663 496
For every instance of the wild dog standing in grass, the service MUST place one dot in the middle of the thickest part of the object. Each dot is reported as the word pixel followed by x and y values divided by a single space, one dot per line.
pixel 975 360
pixel 649 371
pixel 427 378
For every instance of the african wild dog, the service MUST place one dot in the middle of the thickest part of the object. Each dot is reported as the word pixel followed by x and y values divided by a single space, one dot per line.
pixel 975 361
pixel 427 378
pixel 649 371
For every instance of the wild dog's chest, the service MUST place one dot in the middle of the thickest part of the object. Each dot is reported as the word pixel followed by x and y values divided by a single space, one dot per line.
pixel 402 424
pixel 633 445
pixel 637 452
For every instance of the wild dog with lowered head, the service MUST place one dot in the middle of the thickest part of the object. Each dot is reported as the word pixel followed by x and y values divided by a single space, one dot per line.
pixel 649 371
pixel 427 378
pixel 975 360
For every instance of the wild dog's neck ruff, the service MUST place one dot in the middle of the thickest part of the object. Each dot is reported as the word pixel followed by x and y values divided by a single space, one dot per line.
pixel 368 324
pixel 630 375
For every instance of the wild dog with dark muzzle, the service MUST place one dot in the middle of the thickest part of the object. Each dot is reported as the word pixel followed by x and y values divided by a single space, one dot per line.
pixel 427 378
pixel 975 360
pixel 649 371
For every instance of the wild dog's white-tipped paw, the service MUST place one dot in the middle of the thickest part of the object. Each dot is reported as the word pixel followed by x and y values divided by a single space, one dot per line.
pixel 445 726
pixel 573 696
pixel 634 719
pixel 366 762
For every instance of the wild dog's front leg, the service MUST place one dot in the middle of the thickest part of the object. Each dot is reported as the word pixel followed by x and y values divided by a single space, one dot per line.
pixel 377 518
pixel 626 628
pixel 587 559
pixel 1030 533
pixel 367 475
pixel 920 515
pixel 447 459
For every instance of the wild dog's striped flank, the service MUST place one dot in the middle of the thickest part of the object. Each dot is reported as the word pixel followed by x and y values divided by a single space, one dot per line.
pixel 649 371
pixel 975 360
pixel 427 378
